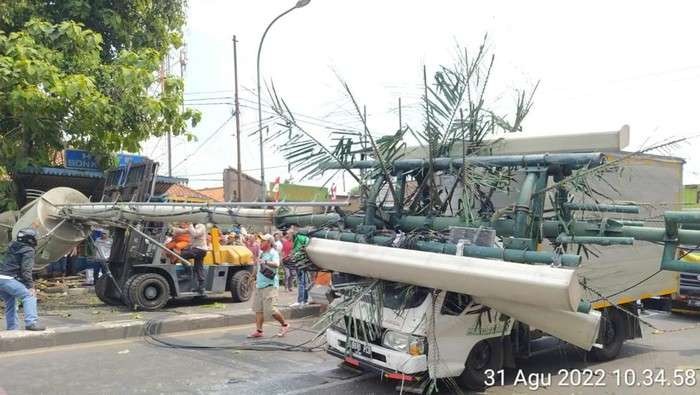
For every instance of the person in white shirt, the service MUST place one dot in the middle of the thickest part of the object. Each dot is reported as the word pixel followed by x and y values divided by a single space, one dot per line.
pixel 278 242
pixel 197 250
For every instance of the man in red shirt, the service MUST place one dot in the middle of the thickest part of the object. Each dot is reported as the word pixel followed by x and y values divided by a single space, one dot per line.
pixel 289 273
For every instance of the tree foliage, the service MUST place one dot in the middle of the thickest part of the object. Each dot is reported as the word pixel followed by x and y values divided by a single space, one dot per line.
pixel 458 120
pixel 80 73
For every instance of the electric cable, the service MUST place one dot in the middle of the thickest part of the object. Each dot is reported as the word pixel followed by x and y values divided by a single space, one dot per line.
pixel 260 345
pixel 636 316
pixel 626 289
pixel 220 128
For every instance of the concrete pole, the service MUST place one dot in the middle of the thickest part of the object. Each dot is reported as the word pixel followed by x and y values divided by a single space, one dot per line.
pixel 238 120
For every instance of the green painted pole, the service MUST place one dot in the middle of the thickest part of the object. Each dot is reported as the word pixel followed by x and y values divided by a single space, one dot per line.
pixel 675 265
pixel 611 208
pixel 511 255
pixel 522 205
pixel 576 160
pixel 603 241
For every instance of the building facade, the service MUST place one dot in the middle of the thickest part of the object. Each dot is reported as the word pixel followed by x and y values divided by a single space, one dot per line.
pixel 250 187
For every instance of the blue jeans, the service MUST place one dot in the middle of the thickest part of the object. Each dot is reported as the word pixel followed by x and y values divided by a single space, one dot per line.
pixel 10 290
pixel 302 292
pixel 289 275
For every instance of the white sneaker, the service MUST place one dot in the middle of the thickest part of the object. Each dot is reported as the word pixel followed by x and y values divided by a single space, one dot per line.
pixel 295 305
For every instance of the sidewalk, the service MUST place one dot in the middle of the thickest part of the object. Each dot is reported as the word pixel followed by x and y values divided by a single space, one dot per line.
pixel 93 321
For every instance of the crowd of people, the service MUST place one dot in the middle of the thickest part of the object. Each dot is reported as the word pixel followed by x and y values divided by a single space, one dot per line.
pixel 273 254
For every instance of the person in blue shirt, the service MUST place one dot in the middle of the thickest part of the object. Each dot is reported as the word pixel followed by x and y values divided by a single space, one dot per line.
pixel 267 283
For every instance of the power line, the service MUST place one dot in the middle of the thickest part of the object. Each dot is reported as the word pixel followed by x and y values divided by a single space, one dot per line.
pixel 208 92
pixel 221 127
pixel 304 117
pixel 210 104
pixel 210 98
pixel 220 172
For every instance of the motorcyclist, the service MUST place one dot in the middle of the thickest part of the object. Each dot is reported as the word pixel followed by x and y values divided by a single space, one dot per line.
pixel 16 281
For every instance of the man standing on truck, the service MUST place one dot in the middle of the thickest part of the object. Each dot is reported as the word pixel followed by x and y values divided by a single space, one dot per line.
pixel 266 285
pixel 16 281
pixel 197 251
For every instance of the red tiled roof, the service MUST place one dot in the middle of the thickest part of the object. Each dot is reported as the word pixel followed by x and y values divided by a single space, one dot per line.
pixel 216 193
pixel 182 192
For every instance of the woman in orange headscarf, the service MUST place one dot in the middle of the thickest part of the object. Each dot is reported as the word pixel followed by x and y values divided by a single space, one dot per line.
pixel 181 240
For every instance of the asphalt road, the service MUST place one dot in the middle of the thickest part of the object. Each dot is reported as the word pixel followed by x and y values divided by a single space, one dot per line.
pixel 137 366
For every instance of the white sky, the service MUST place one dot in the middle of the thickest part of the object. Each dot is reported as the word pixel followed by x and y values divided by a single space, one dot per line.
pixel 601 65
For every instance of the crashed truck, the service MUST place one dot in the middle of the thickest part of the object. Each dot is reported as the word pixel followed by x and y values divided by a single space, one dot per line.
pixel 447 294
pixel 513 276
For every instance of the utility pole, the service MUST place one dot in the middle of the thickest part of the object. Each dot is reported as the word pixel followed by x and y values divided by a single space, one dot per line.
pixel 162 92
pixel 238 119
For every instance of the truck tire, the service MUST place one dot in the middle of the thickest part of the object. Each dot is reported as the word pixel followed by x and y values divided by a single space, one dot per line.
pixel 126 300
pixel 241 285
pixel 486 354
pixel 149 291
pixel 611 336
pixel 102 287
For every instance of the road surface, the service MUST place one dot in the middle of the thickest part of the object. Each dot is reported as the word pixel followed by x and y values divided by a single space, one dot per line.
pixel 139 367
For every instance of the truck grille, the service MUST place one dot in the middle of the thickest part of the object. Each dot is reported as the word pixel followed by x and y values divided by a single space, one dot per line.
pixel 363 330
pixel 690 280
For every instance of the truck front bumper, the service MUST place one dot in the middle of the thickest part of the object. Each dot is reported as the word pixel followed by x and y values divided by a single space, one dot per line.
pixel 382 359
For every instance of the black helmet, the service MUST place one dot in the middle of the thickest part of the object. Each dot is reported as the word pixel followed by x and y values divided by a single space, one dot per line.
pixel 27 236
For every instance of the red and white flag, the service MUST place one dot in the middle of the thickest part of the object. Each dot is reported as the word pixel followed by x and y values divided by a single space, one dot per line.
pixel 333 190
pixel 276 189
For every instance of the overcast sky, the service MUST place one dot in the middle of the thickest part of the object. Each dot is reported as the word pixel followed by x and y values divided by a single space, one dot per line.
pixel 600 65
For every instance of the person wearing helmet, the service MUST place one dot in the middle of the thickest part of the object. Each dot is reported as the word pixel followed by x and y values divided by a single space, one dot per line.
pixel 16 281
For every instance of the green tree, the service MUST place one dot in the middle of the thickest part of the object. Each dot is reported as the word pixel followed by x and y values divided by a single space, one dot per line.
pixel 80 73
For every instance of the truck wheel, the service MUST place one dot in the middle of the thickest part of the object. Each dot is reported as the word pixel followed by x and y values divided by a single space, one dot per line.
pixel 611 336
pixel 485 355
pixel 149 291
pixel 126 299
pixel 241 285
pixel 102 287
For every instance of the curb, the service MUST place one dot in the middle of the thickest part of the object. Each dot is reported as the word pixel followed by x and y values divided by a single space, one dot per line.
pixel 115 330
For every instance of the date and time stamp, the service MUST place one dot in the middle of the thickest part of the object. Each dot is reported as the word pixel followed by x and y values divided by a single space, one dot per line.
pixel 577 378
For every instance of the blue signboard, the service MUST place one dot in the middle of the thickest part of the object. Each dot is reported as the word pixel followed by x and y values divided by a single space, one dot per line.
pixel 79 160
pixel 128 159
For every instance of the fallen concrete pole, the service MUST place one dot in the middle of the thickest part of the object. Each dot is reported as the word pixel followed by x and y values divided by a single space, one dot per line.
pixel 542 286
pixel 579 329
pixel 173 212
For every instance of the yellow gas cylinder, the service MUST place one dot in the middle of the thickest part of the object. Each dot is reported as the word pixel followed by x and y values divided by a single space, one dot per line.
pixel 227 254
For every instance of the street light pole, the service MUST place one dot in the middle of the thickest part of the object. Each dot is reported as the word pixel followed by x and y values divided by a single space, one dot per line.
pixel 299 4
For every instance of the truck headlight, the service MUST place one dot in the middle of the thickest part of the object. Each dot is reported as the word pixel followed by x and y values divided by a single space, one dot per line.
pixel 414 345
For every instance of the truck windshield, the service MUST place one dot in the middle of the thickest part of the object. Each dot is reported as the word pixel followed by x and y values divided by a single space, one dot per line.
pixel 403 296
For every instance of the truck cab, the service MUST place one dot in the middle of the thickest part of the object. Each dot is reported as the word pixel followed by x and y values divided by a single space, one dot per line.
pixel 415 334
pixel 419 333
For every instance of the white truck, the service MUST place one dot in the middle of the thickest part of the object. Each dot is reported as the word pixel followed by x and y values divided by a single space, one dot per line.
pixel 438 334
